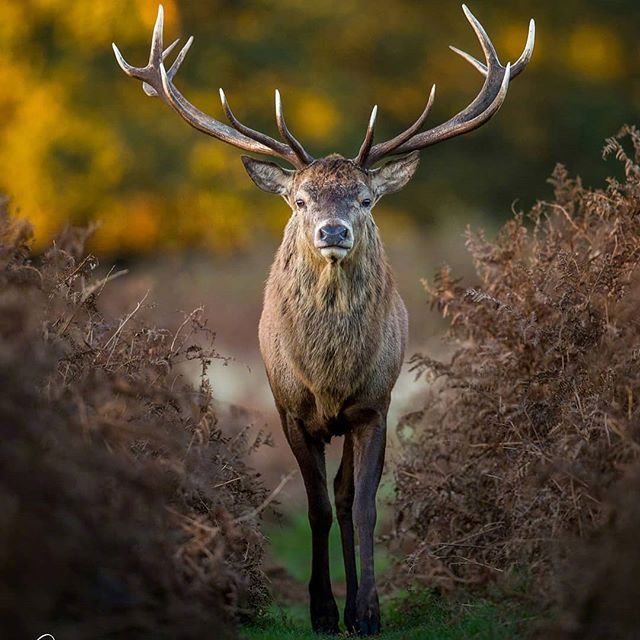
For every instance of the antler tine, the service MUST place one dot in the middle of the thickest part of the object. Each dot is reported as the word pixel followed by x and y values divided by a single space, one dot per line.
pixel 288 137
pixel 485 42
pixel 157 81
pixel 171 47
pixel 388 147
pixel 483 107
pixel 263 138
pixel 155 55
pixel 518 66
pixel 474 62
pixel 365 148
pixel 122 63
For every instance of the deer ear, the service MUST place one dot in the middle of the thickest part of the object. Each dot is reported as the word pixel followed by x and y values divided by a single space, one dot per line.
pixel 268 175
pixel 394 175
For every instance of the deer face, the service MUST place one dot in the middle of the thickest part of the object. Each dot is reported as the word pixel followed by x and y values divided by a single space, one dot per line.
pixel 332 197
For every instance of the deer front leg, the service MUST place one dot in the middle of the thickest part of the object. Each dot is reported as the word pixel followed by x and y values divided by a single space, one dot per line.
pixel 310 456
pixel 369 439
pixel 344 493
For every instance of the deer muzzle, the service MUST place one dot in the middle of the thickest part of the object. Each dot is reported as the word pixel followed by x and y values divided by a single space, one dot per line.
pixel 334 239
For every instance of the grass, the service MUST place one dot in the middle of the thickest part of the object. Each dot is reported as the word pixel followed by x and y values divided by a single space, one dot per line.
pixel 416 615
pixel 422 615
pixel 290 545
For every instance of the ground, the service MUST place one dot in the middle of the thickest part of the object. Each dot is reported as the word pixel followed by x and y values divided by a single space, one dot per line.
pixel 418 614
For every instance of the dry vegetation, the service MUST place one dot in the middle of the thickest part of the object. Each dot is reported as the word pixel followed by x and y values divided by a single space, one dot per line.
pixel 599 596
pixel 537 414
pixel 125 512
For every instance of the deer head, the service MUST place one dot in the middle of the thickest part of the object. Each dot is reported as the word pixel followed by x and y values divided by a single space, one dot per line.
pixel 332 198
pixel 334 195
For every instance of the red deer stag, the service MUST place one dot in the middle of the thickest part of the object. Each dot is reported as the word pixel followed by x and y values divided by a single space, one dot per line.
pixel 333 327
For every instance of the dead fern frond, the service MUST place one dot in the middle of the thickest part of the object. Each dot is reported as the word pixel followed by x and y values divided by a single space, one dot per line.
pixel 536 414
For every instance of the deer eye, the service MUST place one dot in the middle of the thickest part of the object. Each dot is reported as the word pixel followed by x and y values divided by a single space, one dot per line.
pixel 300 203
pixel 366 202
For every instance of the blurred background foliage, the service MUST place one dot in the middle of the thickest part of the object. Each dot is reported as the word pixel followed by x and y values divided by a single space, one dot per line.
pixel 79 141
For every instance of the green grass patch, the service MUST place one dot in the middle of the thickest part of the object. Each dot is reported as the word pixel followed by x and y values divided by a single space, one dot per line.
pixel 419 615
pixel 290 546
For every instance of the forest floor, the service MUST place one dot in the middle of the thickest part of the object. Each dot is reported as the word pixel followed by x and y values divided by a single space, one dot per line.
pixel 408 615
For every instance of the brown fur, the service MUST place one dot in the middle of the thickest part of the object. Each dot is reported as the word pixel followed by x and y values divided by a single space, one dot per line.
pixel 331 335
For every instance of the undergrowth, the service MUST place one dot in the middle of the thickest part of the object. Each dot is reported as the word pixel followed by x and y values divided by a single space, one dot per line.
pixel 537 414
pixel 125 511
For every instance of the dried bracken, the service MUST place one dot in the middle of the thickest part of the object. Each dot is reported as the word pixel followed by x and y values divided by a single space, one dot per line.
pixel 598 595
pixel 536 414
pixel 125 511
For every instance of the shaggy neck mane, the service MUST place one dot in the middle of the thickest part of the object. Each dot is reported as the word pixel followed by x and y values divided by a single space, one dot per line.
pixel 348 286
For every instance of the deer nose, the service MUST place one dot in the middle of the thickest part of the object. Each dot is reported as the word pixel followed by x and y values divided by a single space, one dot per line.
pixel 333 234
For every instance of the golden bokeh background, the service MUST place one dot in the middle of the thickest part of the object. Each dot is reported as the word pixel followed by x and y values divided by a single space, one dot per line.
pixel 80 141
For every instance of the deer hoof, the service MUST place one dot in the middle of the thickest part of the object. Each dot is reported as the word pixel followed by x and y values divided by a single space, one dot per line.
pixel 325 619
pixel 350 617
pixel 368 616
pixel 369 626
pixel 324 625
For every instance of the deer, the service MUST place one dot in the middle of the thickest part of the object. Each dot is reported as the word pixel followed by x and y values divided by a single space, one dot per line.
pixel 334 328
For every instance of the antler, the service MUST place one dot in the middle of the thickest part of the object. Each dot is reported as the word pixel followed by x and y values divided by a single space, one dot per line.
pixel 485 105
pixel 157 81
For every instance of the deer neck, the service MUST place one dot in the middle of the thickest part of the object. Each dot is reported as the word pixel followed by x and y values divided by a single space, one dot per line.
pixel 356 285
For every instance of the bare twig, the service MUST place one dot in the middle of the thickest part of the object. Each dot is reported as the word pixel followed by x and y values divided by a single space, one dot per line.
pixel 272 496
